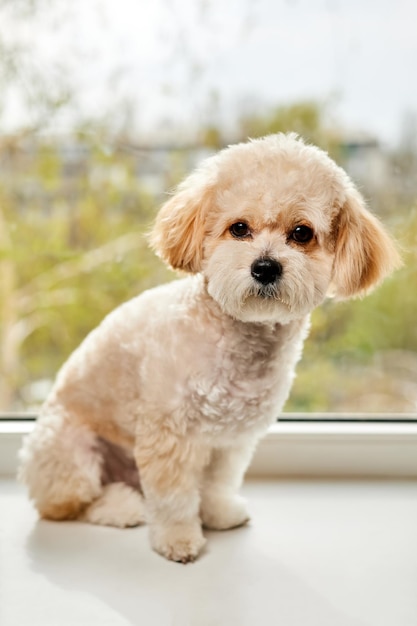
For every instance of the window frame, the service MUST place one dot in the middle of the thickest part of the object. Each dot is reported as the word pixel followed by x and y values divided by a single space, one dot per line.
pixel 297 445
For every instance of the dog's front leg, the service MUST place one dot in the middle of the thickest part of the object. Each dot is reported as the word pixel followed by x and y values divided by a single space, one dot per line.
pixel 170 472
pixel 221 506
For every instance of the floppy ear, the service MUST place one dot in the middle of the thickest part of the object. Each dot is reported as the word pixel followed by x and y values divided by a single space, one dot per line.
pixel 364 252
pixel 178 233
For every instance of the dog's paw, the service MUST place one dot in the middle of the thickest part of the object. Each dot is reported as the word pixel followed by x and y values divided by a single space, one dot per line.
pixel 179 542
pixel 119 505
pixel 222 512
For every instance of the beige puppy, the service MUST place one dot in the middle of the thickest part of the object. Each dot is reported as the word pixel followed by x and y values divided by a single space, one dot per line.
pixel 182 381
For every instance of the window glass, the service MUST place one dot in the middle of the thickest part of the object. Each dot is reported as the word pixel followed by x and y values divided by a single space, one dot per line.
pixel 105 106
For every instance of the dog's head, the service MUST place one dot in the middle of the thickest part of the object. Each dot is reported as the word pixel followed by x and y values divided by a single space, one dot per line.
pixel 275 226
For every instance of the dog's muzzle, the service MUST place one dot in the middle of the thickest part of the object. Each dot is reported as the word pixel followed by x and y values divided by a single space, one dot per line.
pixel 266 270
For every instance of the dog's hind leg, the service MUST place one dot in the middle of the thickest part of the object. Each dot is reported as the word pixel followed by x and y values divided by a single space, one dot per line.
pixel 121 502
pixel 61 466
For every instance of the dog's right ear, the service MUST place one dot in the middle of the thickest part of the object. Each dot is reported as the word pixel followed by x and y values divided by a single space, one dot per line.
pixel 365 253
pixel 179 229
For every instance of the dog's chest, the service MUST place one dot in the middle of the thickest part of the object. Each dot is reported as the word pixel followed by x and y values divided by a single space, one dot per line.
pixel 245 379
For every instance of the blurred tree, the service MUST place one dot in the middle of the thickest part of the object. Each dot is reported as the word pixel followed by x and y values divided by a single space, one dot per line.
pixel 31 97
pixel 309 119
pixel 211 137
pixel 68 254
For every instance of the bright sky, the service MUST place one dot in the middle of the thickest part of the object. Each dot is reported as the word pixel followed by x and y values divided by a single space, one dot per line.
pixel 181 62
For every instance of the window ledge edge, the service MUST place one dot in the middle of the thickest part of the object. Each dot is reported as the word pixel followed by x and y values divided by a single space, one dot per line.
pixel 297 449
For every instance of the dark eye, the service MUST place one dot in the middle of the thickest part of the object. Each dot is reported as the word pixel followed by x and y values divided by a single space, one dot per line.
pixel 240 230
pixel 302 234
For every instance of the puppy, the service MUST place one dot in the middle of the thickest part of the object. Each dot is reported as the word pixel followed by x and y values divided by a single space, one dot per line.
pixel 156 415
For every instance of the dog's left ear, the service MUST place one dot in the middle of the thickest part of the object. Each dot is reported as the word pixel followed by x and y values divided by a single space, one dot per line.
pixel 178 233
pixel 364 252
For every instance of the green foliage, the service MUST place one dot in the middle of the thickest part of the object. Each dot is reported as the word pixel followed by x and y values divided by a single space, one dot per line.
pixel 211 137
pixel 74 244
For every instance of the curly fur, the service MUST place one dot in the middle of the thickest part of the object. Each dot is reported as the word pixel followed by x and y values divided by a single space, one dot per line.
pixel 184 379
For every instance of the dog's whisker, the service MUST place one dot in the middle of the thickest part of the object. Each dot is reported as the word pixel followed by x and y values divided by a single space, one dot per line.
pixel 266 292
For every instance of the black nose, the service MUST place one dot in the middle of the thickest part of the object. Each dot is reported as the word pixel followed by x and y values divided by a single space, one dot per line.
pixel 266 270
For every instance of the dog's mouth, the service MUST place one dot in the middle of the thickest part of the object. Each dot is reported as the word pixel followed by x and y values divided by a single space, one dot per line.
pixel 269 292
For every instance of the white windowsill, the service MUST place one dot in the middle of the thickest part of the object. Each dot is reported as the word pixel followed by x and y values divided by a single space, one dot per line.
pixel 299 449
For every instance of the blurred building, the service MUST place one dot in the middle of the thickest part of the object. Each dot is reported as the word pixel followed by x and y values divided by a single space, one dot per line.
pixel 365 161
